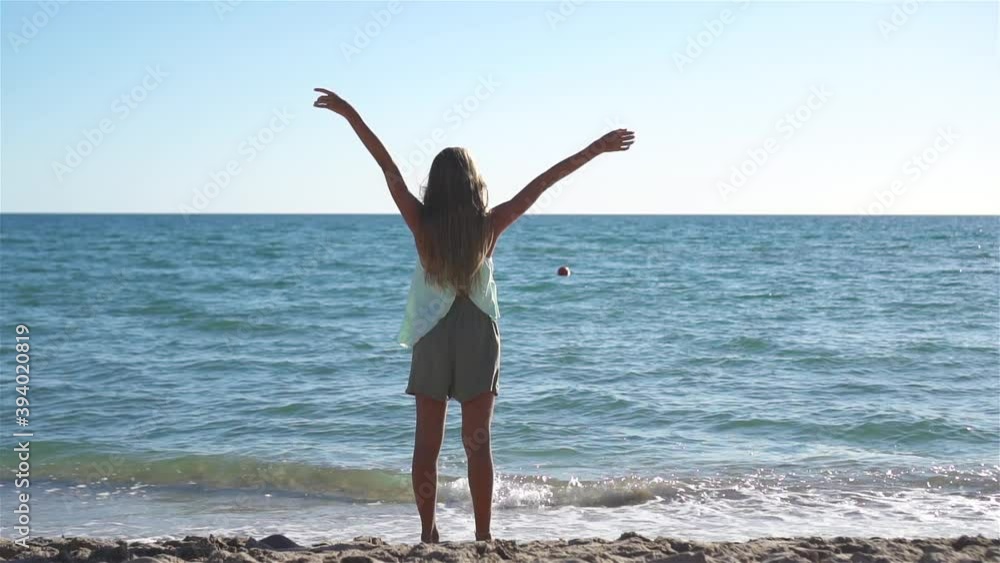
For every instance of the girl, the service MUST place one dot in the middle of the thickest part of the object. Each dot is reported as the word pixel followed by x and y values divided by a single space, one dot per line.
pixel 451 312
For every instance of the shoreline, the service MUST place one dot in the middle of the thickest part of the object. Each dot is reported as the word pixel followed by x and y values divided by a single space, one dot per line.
pixel 628 547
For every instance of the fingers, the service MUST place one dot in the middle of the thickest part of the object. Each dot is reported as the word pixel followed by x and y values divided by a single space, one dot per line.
pixel 331 101
pixel 620 134
pixel 327 100
pixel 623 139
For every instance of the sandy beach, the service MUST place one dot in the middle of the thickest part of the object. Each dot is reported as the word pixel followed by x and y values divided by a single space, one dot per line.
pixel 629 547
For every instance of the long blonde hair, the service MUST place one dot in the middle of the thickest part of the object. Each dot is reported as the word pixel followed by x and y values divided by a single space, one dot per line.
pixel 454 234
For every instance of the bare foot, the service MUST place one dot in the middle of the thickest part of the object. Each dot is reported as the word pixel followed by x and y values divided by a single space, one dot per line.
pixel 435 537
pixel 484 537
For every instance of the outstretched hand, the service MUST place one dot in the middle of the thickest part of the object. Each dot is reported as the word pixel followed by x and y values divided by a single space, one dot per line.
pixel 617 140
pixel 333 102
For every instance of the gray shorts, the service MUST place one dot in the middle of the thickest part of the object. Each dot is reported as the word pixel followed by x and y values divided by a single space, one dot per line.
pixel 459 357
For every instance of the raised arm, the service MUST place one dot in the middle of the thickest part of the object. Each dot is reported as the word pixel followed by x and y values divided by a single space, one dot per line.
pixel 506 213
pixel 409 206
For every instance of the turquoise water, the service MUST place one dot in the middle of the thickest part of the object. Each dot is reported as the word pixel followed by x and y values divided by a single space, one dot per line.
pixel 705 377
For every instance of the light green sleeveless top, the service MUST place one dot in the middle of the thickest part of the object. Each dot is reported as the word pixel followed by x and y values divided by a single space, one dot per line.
pixel 427 304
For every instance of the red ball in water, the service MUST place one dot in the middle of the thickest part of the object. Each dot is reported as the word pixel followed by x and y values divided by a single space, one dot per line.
pixel 563 271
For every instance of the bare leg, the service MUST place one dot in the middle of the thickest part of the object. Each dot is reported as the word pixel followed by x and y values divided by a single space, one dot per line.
pixel 477 414
pixel 426 447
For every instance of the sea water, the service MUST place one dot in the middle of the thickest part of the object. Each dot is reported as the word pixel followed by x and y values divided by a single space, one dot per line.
pixel 699 377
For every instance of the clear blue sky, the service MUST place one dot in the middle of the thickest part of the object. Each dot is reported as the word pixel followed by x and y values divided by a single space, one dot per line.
pixel 199 79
